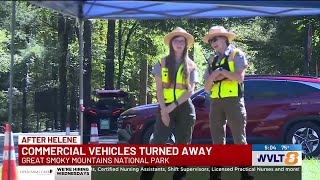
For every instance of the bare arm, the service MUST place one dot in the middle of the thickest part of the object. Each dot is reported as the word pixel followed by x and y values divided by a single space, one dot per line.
pixel 208 84
pixel 184 97
pixel 240 64
pixel 219 75
pixel 234 76
pixel 163 109
pixel 209 81
pixel 159 89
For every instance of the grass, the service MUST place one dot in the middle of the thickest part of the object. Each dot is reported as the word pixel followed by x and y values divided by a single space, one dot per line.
pixel 310 169
pixel 309 172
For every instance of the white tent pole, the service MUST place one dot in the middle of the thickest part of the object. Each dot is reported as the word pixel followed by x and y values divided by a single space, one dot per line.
pixel 81 108
pixel 13 28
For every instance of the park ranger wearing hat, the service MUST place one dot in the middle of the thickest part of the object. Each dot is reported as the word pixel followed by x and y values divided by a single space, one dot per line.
pixel 224 82
pixel 176 76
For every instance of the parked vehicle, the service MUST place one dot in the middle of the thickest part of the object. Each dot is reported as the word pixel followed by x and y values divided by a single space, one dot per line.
pixel 2 129
pixel 105 112
pixel 280 109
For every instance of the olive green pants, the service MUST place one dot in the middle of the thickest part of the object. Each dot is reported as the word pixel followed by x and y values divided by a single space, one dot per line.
pixel 229 111
pixel 182 120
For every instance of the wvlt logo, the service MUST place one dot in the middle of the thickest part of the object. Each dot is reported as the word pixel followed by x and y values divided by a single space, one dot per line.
pixel 276 158
pixel 290 158
pixel 276 154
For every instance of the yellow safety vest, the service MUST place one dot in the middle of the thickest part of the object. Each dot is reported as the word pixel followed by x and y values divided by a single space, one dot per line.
pixel 227 87
pixel 174 91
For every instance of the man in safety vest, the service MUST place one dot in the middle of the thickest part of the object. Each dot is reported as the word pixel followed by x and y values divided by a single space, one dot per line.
pixel 224 82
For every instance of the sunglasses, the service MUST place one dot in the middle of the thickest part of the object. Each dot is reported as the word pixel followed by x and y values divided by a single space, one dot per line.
pixel 176 41
pixel 214 39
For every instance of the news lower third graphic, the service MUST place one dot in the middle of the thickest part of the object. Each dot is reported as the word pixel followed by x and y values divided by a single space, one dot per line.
pixel 65 158
pixel 196 169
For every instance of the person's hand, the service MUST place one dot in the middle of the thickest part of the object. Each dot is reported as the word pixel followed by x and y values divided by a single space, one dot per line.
pixel 165 118
pixel 189 87
pixel 164 110
pixel 220 77
pixel 170 108
pixel 213 76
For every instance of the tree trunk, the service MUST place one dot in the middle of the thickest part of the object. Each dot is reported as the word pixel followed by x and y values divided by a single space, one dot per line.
pixel 121 62
pixel 143 81
pixel 109 71
pixel 24 98
pixel 132 87
pixel 24 125
pixel 87 63
pixel 149 98
pixel 54 123
pixel 63 30
pixel 53 119
pixel 38 122
pixel 73 98
pixel 119 52
pixel 307 49
pixel 73 101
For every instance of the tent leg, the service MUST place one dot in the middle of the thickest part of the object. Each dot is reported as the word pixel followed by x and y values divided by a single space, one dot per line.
pixel 81 108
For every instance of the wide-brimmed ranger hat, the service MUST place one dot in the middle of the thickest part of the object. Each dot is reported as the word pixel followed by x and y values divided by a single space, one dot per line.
pixel 218 31
pixel 179 32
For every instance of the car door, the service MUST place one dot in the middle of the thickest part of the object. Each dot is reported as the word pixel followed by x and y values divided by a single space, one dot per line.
pixel 267 101
pixel 201 133
pixel 307 95
pixel 249 89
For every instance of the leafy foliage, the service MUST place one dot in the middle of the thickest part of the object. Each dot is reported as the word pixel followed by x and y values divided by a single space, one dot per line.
pixel 272 45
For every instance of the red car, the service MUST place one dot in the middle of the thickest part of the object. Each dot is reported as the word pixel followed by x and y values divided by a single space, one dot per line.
pixel 281 109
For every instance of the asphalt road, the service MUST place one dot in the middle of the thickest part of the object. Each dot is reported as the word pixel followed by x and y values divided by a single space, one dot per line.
pixel 102 140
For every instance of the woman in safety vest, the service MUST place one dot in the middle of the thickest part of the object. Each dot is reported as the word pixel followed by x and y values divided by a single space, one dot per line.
pixel 224 82
pixel 175 76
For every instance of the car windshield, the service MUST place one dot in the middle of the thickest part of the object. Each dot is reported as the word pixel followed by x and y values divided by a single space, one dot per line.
pixel 110 103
